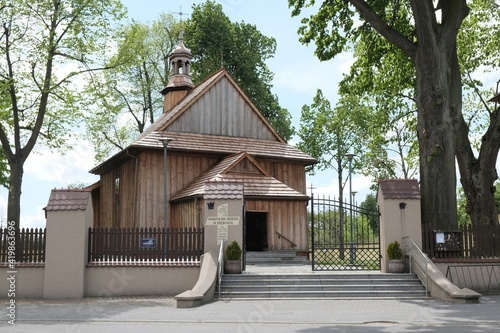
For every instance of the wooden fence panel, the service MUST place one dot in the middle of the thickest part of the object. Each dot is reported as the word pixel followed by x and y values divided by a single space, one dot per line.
pixel 124 244
pixel 31 244
pixel 475 242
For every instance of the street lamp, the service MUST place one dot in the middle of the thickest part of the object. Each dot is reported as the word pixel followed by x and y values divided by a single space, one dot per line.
pixel 349 158
pixel 165 142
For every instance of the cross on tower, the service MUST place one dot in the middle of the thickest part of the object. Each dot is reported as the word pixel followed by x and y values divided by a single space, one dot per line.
pixel 180 13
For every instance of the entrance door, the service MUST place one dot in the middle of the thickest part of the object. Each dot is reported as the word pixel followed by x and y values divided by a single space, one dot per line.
pixel 256 231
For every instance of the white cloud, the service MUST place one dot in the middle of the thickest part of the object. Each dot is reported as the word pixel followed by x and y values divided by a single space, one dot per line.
pixel 325 184
pixel 3 211
pixel 34 220
pixel 315 75
pixel 63 169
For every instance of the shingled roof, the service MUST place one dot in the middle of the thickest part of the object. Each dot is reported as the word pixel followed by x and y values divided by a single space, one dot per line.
pixel 223 190
pixel 399 188
pixel 255 184
pixel 270 146
pixel 68 199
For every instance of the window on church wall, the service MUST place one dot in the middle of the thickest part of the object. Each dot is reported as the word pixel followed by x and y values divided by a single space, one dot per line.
pixel 116 196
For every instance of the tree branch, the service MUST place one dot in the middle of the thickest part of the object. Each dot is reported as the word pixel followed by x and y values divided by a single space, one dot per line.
pixel 383 28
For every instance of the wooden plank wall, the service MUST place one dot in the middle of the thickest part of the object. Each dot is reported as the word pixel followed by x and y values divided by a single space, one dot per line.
pixel 187 214
pixel 106 200
pixel 289 218
pixel 291 174
pixel 183 169
pixel 141 199
pixel 223 111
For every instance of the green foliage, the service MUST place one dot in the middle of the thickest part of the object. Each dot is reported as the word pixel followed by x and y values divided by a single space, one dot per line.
pixel 463 217
pixel 383 77
pixel 394 251
pixel 368 207
pixel 126 100
pixel 328 133
pixel 215 41
pixel 233 251
pixel 44 47
pixel 4 170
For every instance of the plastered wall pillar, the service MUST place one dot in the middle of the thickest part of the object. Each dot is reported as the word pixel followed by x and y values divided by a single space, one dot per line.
pixel 223 214
pixel 399 206
pixel 69 216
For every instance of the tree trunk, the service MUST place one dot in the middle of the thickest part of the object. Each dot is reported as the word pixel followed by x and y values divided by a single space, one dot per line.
pixel 438 101
pixel 478 175
pixel 14 200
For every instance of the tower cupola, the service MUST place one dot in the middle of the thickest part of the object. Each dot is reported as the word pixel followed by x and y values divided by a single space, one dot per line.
pixel 180 82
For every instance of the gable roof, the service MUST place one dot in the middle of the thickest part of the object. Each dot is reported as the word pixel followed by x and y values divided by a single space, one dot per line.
pixel 271 146
pixel 193 103
pixel 68 199
pixel 256 182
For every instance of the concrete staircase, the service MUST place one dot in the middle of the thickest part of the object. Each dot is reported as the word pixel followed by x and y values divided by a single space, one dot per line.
pixel 273 258
pixel 321 285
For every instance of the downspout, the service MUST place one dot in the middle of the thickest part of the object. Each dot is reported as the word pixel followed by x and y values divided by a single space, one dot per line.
pixel 134 206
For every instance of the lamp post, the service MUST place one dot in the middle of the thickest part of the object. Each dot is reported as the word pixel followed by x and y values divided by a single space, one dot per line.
pixel 355 227
pixel 165 143
pixel 349 158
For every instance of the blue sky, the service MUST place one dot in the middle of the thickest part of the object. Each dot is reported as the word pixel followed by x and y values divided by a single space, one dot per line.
pixel 298 74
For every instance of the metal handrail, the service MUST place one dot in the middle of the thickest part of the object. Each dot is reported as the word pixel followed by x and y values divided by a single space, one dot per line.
pixel 220 265
pixel 414 252
pixel 291 242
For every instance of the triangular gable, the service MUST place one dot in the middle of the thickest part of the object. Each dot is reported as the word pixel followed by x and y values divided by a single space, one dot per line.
pixel 241 168
pixel 246 164
pixel 217 106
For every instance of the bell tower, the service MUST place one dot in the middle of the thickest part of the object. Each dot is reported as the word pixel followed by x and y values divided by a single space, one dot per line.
pixel 180 82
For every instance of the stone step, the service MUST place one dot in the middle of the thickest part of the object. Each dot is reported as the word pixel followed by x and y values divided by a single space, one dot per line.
pixel 269 258
pixel 321 285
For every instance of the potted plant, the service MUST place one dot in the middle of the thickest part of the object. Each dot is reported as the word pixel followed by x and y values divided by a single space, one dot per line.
pixel 233 258
pixel 395 255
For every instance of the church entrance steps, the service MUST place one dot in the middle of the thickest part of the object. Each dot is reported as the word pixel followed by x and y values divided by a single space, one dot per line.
pixel 321 286
pixel 270 258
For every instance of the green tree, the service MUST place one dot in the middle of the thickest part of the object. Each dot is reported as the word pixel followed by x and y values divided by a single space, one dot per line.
pixel 44 46
pixel 215 41
pixel 328 135
pixel 126 100
pixel 367 209
pixel 426 33
pixel 383 79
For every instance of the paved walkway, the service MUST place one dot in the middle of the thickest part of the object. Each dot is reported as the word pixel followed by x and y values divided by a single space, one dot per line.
pixel 140 314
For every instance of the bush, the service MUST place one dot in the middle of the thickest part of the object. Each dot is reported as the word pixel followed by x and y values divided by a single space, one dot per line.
pixel 394 251
pixel 233 251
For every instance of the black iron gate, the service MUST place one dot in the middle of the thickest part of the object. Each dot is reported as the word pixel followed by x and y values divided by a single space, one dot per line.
pixel 343 236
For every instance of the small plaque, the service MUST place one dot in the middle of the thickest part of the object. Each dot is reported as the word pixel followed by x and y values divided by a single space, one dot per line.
pixel 148 243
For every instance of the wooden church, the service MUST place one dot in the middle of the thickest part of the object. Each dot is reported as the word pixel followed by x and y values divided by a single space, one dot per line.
pixel 207 132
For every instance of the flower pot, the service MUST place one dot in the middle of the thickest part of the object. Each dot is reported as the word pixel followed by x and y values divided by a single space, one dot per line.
pixel 396 266
pixel 233 267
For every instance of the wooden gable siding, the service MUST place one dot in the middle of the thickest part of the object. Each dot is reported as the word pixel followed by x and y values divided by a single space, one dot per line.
pixel 290 174
pixel 222 111
pixel 246 166
pixel 289 218
pixel 182 170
